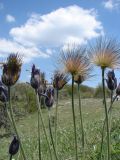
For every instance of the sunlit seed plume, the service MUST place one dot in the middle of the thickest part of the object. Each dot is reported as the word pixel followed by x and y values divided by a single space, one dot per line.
pixel 71 59
pixel 105 53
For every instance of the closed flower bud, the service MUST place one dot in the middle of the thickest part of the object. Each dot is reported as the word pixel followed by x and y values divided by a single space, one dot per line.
pixel 111 80
pixel 35 77
pixel 118 90
pixel 11 70
pixel 3 93
pixel 14 146
pixel 49 100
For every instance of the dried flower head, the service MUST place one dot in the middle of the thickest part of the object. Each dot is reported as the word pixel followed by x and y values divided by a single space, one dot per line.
pixel 60 79
pixel 3 93
pixel 105 53
pixel 111 80
pixel 72 58
pixel 12 69
pixel 35 77
pixel 85 73
pixel 14 146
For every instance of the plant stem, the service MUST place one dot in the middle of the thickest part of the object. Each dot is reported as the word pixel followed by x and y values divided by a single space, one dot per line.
pixel 106 116
pixel 56 119
pixel 39 138
pixel 11 157
pixel 14 124
pixel 52 140
pixel 74 121
pixel 44 129
pixel 110 108
pixel 81 120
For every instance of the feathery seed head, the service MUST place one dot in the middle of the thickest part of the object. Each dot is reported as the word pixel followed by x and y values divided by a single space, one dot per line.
pixel 72 59
pixel 105 53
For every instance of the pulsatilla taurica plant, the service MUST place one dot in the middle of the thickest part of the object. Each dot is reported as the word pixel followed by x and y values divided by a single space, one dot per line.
pixel 11 69
pixel 10 75
pixel 36 82
pixel 60 79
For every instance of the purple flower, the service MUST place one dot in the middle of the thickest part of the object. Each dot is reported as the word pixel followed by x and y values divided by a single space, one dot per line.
pixel 111 80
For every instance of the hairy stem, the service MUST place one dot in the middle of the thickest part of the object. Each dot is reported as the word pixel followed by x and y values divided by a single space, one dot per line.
pixel 14 124
pixel 44 129
pixel 106 116
pixel 52 140
pixel 81 120
pixel 39 137
pixel 74 120
pixel 56 119
pixel 109 110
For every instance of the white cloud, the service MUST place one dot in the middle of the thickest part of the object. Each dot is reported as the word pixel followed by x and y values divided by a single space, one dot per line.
pixel 111 4
pixel 10 18
pixel 62 25
pixel 7 46
pixel 42 33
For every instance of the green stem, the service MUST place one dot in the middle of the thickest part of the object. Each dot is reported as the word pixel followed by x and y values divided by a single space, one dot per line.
pixel 81 120
pixel 56 119
pixel 44 129
pixel 109 110
pixel 74 121
pixel 14 124
pixel 110 113
pixel 11 157
pixel 52 140
pixel 39 137
pixel 106 116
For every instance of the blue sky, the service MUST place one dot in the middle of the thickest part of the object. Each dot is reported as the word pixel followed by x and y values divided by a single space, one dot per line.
pixel 38 28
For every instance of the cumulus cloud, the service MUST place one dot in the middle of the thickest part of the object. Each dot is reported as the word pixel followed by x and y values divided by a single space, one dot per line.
pixel 10 18
pixel 41 33
pixel 7 47
pixel 60 26
pixel 111 4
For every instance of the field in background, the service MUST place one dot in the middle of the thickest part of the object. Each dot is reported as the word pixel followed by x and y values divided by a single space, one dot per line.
pixel 93 114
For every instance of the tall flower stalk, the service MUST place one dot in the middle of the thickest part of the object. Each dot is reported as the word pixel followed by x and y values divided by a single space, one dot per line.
pixel 79 79
pixel 59 81
pixel 106 54
pixel 11 73
pixel 112 85
pixel 35 83
pixel 106 114
pixel 49 101
pixel 72 60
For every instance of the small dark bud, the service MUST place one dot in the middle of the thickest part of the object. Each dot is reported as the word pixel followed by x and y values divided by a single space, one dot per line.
pixel 118 90
pixel 49 100
pixel 35 77
pixel 111 80
pixel 14 146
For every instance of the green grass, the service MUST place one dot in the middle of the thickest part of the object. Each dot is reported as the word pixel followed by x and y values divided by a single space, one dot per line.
pixel 93 116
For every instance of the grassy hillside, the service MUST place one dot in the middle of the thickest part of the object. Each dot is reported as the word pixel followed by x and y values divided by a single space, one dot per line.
pixel 93 114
